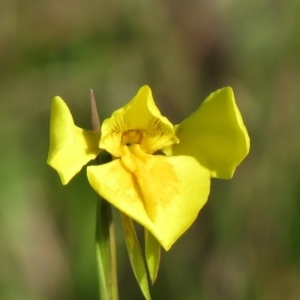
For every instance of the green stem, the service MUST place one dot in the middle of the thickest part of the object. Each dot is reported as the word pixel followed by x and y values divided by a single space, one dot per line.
pixel 106 251
pixel 105 235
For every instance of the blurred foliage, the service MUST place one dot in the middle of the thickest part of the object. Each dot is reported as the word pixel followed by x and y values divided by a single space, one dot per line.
pixel 246 242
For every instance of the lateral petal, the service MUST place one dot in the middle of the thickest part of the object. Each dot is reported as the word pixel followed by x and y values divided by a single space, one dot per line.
pixel 214 134
pixel 164 194
pixel 70 146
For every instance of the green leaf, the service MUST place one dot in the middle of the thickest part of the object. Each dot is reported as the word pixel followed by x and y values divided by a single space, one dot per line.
pixel 152 252
pixel 135 255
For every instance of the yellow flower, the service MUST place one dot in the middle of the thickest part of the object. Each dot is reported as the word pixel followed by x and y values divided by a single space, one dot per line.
pixel 160 174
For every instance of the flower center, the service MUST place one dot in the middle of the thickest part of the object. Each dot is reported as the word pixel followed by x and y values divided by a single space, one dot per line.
pixel 130 137
pixel 151 138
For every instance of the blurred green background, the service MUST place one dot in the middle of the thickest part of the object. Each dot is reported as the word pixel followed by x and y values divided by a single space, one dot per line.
pixel 245 243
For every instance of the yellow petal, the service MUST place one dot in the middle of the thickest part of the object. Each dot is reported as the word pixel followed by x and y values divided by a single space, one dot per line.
pixel 140 115
pixel 164 194
pixel 214 134
pixel 70 146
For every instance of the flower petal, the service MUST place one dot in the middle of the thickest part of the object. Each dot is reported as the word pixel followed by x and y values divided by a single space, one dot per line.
pixel 164 194
pixel 70 146
pixel 140 114
pixel 214 134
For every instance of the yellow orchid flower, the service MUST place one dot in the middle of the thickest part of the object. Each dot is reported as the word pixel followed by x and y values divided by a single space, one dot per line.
pixel 160 174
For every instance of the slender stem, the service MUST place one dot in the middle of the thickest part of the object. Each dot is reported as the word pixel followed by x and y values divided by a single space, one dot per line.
pixel 105 235
pixel 106 251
